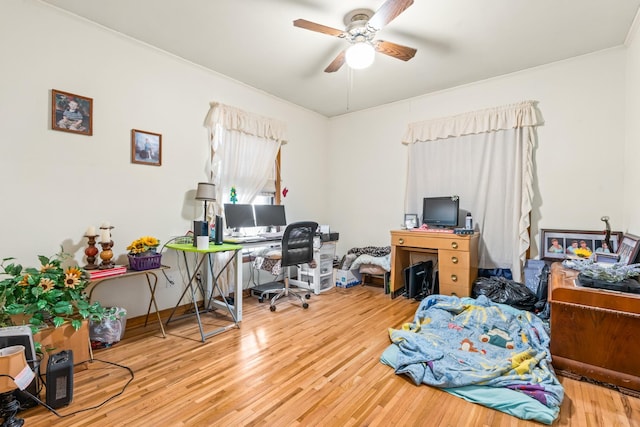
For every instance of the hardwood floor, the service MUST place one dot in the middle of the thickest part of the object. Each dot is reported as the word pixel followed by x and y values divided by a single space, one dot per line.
pixel 291 367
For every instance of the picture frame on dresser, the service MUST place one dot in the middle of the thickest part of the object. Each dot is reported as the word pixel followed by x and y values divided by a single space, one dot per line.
pixel 557 245
pixel 629 248
pixel 411 221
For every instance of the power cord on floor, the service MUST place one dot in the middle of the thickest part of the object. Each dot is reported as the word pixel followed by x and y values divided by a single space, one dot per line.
pixel 92 407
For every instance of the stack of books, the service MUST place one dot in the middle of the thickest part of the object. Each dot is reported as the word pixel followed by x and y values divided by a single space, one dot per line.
pixel 101 274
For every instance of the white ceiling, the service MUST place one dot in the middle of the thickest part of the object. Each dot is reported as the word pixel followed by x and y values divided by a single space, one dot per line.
pixel 458 41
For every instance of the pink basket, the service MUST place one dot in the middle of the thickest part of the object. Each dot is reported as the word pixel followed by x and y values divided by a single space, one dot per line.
pixel 140 263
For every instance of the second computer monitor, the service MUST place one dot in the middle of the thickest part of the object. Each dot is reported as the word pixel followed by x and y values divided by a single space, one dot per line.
pixel 270 215
pixel 239 215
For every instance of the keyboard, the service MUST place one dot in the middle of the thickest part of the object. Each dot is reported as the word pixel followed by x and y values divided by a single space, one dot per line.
pixel 274 235
pixel 434 230
pixel 244 239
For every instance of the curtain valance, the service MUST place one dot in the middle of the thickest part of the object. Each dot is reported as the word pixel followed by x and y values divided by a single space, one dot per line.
pixel 512 116
pixel 232 118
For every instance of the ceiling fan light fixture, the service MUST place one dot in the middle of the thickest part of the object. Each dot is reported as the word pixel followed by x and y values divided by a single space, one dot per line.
pixel 360 55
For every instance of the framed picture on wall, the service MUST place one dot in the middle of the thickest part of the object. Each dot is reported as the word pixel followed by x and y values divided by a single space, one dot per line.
pixel 556 245
pixel 146 147
pixel 71 113
pixel 628 250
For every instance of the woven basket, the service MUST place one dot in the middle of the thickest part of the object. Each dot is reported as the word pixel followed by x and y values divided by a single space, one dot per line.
pixel 140 263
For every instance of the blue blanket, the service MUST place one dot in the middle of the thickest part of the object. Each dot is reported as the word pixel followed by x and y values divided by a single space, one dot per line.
pixel 456 343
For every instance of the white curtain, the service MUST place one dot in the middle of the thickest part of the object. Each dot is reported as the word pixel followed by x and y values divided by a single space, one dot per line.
pixel 485 157
pixel 243 150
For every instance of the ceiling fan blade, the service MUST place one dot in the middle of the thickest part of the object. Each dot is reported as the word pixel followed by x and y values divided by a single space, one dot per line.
pixel 336 63
pixel 393 49
pixel 308 25
pixel 388 12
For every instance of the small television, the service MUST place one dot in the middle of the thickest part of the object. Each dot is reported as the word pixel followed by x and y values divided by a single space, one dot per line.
pixel 440 211
pixel 239 215
pixel 270 215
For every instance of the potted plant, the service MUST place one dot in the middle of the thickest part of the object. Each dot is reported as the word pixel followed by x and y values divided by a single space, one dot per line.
pixel 49 294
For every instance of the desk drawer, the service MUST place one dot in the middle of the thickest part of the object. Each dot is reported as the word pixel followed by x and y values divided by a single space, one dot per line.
pixel 456 289
pixel 456 275
pixel 453 259
pixel 456 280
pixel 431 241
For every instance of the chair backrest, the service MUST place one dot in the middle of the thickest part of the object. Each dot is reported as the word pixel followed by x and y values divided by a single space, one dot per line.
pixel 297 243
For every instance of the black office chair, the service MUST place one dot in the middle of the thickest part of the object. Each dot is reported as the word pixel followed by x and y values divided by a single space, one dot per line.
pixel 297 249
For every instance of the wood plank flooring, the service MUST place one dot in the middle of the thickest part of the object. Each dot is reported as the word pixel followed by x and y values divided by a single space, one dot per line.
pixel 292 367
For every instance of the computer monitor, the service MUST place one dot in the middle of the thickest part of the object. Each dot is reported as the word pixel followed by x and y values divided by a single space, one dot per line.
pixel 239 215
pixel 440 211
pixel 270 215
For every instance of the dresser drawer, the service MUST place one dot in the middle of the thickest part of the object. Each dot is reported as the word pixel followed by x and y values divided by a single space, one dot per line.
pixel 452 258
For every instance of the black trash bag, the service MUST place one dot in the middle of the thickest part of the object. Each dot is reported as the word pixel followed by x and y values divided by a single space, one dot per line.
pixel 505 291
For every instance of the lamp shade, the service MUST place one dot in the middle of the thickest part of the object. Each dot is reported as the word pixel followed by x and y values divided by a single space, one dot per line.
pixel 14 364
pixel 360 55
pixel 206 191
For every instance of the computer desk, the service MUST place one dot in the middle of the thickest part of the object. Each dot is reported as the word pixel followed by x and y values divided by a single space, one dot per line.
pixel 234 309
pixel 316 276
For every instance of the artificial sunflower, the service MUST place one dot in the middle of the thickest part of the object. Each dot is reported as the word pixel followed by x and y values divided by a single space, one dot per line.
pixel 46 268
pixel 47 284
pixel 24 281
pixel 75 271
pixel 582 252
pixel 143 244
pixel 71 280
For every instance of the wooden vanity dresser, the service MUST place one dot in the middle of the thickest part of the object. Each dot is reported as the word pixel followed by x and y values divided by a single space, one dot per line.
pixel 594 333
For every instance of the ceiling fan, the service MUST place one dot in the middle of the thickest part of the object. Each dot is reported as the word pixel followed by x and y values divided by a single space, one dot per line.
pixel 361 28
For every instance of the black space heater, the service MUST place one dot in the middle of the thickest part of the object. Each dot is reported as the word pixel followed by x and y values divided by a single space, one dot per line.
pixel 60 379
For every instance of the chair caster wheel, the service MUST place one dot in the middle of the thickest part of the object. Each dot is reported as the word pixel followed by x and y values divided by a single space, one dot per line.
pixel 260 299
pixel 307 296
pixel 305 305
pixel 272 308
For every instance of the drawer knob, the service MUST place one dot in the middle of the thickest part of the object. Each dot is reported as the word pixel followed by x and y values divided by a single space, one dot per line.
pixel 401 241
pixel 454 278
pixel 454 259
pixel 454 245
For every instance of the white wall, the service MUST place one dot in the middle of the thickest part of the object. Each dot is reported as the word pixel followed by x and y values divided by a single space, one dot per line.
pixel 631 200
pixel 56 184
pixel 578 161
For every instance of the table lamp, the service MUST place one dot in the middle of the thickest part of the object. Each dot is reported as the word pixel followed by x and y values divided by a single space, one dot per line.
pixel 206 192
pixel 14 374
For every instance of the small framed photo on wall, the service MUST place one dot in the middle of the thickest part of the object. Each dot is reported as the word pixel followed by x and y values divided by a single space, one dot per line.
pixel 146 147
pixel 71 113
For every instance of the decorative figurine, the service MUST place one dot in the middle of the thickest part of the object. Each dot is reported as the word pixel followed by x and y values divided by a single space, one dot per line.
pixel 234 196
